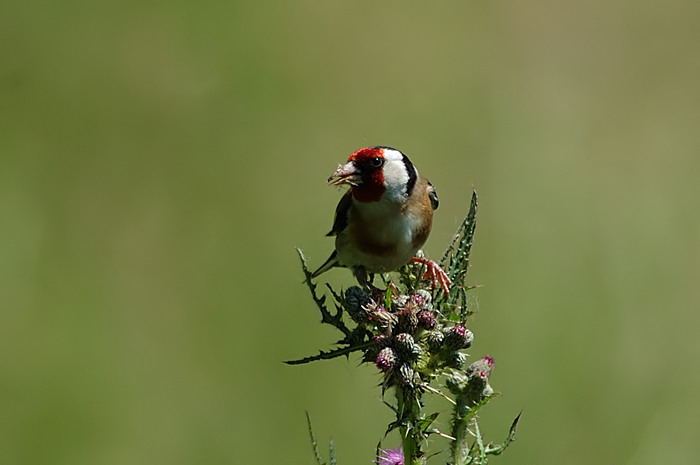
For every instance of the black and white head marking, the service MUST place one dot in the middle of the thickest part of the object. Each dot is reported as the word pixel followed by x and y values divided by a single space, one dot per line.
pixel 399 174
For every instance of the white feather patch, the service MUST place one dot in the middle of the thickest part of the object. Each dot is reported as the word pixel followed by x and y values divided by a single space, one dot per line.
pixel 395 176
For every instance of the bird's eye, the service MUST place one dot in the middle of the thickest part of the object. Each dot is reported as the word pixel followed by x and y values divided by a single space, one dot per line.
pixel 376 162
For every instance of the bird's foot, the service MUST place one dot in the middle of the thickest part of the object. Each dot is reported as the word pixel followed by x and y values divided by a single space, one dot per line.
pixel 366 281
pixel 436 274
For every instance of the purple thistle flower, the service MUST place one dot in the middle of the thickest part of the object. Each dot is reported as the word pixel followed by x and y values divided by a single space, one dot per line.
pixel 386 359
pixel 458 337
pixel 390 457
pixel 426 319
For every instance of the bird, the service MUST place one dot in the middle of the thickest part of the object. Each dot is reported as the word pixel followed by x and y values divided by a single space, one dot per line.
pixel 384 218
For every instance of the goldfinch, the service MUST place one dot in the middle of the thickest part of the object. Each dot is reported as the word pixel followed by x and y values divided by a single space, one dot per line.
pixel 384 218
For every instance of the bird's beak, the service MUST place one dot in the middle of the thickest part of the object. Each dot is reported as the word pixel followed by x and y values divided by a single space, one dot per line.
pixel 345 174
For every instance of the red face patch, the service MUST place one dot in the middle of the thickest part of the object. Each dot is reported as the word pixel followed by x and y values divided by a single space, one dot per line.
pixel 372 186
pixel 366 154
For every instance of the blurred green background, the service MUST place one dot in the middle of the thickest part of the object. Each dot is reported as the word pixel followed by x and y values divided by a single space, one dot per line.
pixel 159 161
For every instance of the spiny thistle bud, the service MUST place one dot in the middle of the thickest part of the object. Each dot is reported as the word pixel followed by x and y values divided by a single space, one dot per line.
pixel 378 315
pixel 481 368
pixel 380 341
pixel 435 339
pixel 426 319
pixel 458 337
pixel 457 382
pixel 423 299
pixel 400 300
pixel 472 385
pixel 406 346
pixel 456 360
pixel 478 373
pixel 355 301
pixel 408 376
pixel 407 319
pixel 386 359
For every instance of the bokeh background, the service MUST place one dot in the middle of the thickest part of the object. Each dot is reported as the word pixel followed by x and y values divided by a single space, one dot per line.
pixel 159 161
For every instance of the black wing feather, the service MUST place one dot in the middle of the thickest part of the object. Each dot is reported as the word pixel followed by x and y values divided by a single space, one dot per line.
pixel 433 196
pixel 340 222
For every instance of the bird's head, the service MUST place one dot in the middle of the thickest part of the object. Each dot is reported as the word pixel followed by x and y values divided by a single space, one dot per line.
pixel 376 172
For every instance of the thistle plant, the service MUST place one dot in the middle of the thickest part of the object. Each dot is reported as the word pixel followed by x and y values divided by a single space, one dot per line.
pixel 416 335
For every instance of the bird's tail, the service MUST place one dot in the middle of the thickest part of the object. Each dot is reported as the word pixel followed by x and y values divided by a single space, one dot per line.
pixel 327 265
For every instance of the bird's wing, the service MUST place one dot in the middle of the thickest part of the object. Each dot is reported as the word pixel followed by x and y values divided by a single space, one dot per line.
pixel 340 222
pixel 433 196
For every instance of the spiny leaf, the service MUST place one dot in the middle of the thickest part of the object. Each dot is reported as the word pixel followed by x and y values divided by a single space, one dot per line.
pixel 391 427
pixel 330 354
pixel 473 410
pixel 393 408
pixel 496 450
pixel 332 453
pixel 456 257
pixel 326 316
pixel 338 298
pixel 480 448
pixel 423 424
pixel 337 319
pixel 314 443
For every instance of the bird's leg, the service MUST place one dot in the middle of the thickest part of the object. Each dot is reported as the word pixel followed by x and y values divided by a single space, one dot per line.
pixel 361 275
pixel 435 273
pixel 365 279
pixel 377 292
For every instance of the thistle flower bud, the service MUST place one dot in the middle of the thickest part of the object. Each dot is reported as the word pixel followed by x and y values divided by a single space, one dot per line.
pixel 426 319
pixel 423 299
pixel 386 359
pixel 458 337
pixel 355 302
pixel 406 346
pixel 481 369
pixel 435 339
pixel 370 354
pixel 408 376
pixel 378 315
pixel 456 360
pixel 478 373
pixel 472 385
pixel 407 319
pixel 400 300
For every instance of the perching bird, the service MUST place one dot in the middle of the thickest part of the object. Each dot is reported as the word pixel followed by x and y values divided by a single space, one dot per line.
pixel 384 218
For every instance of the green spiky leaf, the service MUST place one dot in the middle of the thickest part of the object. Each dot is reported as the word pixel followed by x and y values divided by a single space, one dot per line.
pixel 326 316
pixel 329 355
pixel 456 257
pixel 498 449
pixel 314 443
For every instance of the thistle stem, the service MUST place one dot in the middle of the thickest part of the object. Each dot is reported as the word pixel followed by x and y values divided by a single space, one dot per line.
pixel 408 415
pixel 460 422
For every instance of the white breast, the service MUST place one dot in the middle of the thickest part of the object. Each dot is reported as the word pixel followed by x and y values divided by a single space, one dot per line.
pixel 379 237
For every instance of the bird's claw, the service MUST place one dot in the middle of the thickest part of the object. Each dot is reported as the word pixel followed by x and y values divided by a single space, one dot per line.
pixel 437 275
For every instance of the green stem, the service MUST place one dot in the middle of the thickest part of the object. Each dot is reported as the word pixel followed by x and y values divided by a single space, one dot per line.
pixel 460 446
pixel 408 415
